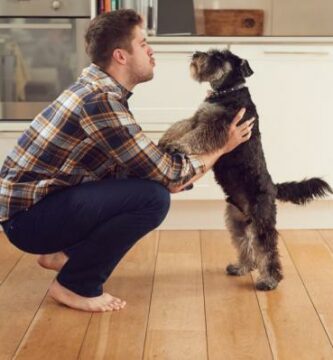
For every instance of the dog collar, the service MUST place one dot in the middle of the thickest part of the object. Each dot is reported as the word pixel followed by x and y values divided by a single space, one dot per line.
pixel 226 91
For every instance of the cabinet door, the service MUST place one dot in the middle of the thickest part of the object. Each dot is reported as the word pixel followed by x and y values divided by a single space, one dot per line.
pixel 292 88
pixel 172 95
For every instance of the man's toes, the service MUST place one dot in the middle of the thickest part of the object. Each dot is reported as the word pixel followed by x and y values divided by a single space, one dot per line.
pixel 116 301
pixel 115 304
pixel 122 304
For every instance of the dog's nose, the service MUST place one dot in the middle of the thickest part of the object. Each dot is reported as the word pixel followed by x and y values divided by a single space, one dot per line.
pixel 196 54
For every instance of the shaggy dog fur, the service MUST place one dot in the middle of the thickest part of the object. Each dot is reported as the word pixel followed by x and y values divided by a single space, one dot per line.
pixel 242 173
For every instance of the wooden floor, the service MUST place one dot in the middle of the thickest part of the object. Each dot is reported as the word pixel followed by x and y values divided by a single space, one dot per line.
pixel 180 304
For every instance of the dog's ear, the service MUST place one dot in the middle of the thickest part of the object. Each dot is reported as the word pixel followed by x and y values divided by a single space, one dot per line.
pixel 245 69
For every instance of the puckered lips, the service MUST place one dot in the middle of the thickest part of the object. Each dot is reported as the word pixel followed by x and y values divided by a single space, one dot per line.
pixel 152 61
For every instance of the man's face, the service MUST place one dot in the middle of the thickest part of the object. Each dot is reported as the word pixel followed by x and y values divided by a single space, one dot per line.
pixel 140 62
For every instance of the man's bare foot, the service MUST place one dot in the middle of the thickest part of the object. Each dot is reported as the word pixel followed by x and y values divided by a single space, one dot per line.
pixel 53 261
pixel 104 302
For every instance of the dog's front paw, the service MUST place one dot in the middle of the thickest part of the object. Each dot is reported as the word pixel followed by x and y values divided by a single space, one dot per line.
pixel 162 145
pixel 176 147
pixel 267 284
pixel 236 270
pixel 232 270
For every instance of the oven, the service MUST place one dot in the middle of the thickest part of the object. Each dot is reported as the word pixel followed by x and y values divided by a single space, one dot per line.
pixel 42 51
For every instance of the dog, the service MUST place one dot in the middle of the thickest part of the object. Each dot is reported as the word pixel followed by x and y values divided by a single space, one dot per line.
pixel 242 173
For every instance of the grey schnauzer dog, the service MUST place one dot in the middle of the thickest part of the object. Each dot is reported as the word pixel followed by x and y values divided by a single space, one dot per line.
pixel 242 173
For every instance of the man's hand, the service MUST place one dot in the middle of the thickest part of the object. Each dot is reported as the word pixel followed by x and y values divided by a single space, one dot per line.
pixel 238 134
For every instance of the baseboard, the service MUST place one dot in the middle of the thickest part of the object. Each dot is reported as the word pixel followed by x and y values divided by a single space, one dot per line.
pixel 209 214
pixel 201 214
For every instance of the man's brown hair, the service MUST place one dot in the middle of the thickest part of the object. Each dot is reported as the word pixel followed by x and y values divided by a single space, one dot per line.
pixel 110 31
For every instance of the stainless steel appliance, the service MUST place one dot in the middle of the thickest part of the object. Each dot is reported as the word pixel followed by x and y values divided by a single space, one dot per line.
pixel 42 51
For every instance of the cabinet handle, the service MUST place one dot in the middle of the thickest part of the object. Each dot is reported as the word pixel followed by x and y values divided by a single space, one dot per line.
pixel 319 53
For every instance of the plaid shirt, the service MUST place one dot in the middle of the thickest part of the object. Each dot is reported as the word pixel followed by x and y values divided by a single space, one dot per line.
pixel 86 134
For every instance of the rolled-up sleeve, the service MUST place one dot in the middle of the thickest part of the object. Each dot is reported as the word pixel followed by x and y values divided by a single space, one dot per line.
pixel 110 125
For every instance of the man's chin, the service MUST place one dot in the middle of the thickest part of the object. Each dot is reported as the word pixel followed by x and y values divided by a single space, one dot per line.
pixel 147 78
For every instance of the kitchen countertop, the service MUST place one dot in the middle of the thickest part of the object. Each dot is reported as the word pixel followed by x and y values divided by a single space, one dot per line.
pixel 311 40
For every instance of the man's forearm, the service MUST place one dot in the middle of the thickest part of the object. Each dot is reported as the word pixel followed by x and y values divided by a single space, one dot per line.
pixel 177 189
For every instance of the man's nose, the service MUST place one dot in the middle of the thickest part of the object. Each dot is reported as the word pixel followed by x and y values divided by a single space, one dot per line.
pixel 150 51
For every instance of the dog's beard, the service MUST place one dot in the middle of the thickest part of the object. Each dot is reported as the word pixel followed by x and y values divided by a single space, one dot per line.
pixel 194 71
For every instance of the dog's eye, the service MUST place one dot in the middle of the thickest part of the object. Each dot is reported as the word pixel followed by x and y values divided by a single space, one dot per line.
pixel 217 61
pixel 197 54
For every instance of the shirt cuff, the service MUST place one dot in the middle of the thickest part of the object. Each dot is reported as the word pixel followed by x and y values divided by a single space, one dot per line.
pixel 198 165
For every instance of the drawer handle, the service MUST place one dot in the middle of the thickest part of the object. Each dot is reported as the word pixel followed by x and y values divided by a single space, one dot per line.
pixel 319 53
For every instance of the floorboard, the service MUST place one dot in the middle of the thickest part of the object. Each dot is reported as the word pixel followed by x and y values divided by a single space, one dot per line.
pixel 180 304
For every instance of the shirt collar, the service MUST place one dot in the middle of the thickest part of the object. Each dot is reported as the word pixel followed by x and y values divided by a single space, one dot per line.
pixel 95 75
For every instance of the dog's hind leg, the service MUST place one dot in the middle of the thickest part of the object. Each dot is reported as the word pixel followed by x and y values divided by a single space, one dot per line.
pixel 263 215
pixel 237 224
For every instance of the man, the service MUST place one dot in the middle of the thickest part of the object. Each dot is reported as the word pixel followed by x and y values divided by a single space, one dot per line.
pixel 62 189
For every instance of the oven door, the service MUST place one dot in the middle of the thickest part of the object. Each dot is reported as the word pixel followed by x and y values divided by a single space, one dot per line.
pixel 39 58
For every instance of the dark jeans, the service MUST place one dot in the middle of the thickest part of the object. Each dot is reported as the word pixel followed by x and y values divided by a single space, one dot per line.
pixel 94 223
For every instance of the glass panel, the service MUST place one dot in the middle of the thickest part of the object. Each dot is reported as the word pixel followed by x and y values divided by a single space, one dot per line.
pixel 39 58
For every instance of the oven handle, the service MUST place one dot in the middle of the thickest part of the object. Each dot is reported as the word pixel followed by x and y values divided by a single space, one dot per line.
pixel 35 26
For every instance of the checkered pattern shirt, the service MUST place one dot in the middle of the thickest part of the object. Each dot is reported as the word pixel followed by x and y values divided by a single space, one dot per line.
pixel 86 134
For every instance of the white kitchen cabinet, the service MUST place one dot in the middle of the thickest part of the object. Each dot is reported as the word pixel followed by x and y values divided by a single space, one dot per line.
pixel 7 142
pixel 292 89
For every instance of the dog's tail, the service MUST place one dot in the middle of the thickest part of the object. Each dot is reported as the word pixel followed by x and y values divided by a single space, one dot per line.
pixel 304 191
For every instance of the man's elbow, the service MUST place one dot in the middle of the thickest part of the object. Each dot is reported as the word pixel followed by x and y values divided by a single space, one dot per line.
pixel 175 189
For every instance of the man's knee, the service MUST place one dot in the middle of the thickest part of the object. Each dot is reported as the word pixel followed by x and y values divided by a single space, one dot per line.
pixel 160 201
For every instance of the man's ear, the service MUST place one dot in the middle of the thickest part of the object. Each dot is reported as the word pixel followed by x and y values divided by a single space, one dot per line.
pixel 119 56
